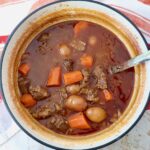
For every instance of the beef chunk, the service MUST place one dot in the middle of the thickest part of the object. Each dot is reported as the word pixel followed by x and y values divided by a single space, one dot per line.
pixel 38 92
pixel 78 45
pixel 86 77
pixel 46 110
pixel 101 77
pixel 24 84
pixel 43 42
pixel 43 112
pixel 91 94
pixel 58 122
pixel 63 93
pixel 42 49
pixel 43 37
pixel 68 64
pixel 25 56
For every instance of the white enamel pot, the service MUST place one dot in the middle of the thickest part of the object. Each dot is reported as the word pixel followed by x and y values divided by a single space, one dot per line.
pixel 49 15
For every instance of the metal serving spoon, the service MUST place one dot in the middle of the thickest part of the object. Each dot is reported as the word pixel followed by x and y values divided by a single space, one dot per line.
pixel 130 63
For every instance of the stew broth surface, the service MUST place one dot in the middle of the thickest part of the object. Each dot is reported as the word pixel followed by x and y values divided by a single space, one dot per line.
pixel 63 46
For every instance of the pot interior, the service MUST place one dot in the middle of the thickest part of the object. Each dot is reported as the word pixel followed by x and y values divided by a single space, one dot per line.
pixel 51 15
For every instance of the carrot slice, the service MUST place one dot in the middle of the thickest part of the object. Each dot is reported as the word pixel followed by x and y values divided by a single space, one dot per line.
pixel 24 69
pixel 78 121
pixel 86 60
pixel 54 77
pixel 80 26
pixel 108 95
pixel 72 77
pixel 27 100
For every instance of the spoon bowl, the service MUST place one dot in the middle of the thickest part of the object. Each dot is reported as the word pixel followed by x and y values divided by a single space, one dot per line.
pixel 130 63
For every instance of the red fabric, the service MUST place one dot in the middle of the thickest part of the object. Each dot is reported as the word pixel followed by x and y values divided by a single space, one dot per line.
pixel 9 2
pixel 145 1
pixel 148 106
pixel 40 3
pixel 139 20
pixel 0 98
pixel 3 39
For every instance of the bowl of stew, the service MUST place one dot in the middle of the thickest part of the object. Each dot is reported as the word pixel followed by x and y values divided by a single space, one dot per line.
pixel 55 79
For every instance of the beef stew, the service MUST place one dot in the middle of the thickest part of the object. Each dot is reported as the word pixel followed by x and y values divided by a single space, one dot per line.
pixel 64 80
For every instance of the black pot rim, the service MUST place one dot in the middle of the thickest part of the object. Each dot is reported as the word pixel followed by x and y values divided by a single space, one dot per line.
pixel 3 95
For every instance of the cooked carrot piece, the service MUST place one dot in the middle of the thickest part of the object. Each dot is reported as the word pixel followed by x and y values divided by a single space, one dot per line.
pixel 72 77
pixel 24 69
pixel 54 77
pixel 80 26
pixel 86 60
pixel 108 95
pixel 78 121
pixel 27 100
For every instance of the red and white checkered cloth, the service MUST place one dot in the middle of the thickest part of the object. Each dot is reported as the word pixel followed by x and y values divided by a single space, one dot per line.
pixel 12 11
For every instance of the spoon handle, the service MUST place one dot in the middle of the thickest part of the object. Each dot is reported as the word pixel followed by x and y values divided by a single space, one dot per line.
pixel 130 63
